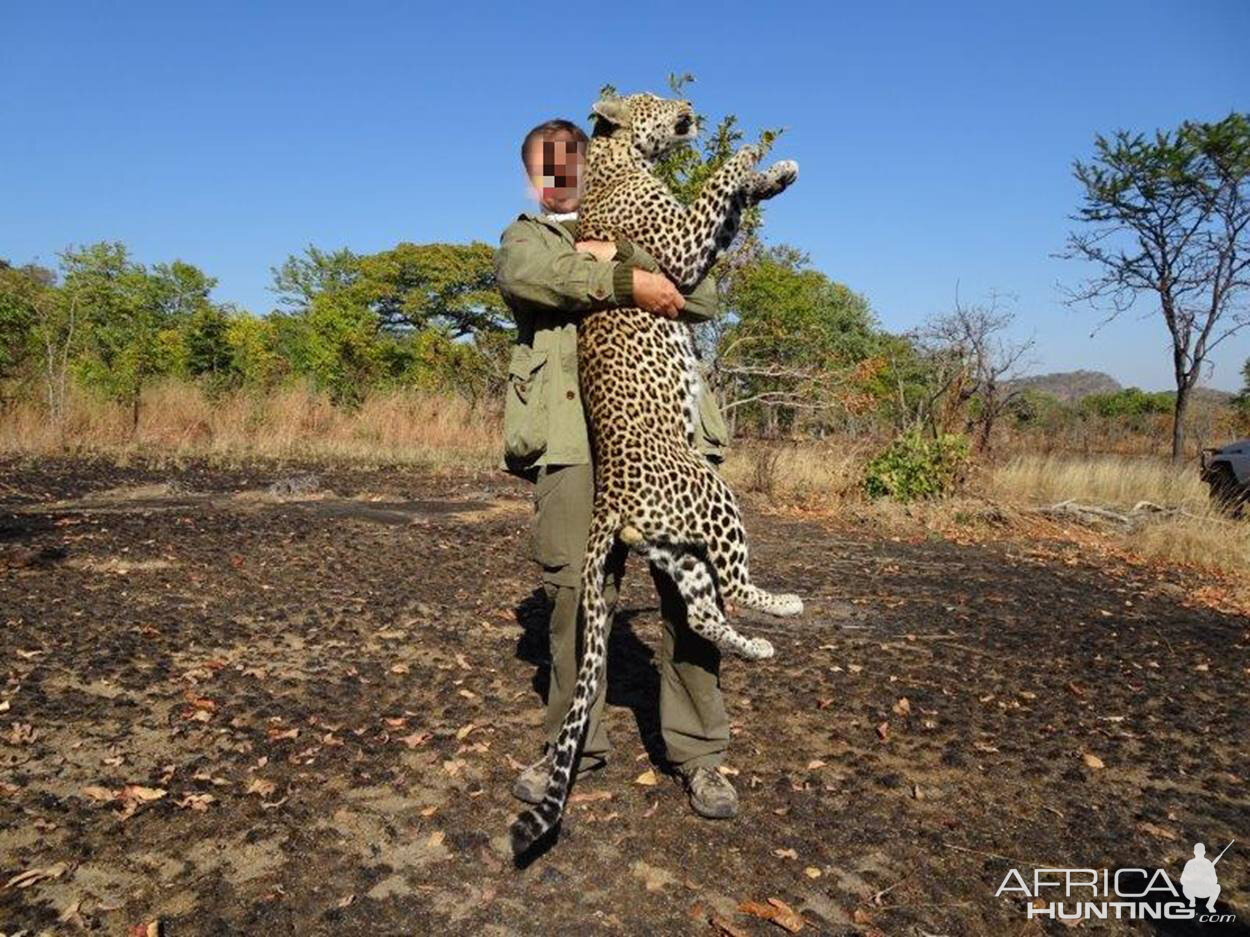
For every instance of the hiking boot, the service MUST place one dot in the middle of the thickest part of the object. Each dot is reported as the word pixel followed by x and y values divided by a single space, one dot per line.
pixel 531 784
pixel 711 794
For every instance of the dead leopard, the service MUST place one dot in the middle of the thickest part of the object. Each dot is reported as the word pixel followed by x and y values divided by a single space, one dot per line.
pixel 639 380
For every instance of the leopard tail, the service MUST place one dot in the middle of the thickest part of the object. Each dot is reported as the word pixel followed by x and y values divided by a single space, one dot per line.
pixel 533 824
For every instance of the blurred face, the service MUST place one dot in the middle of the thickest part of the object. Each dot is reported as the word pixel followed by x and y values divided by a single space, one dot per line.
pixel 554 163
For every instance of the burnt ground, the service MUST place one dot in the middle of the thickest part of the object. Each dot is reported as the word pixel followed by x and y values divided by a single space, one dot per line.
pixel 334 691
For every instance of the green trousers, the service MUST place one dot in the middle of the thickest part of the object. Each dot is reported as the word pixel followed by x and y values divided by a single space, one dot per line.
pixel 693 721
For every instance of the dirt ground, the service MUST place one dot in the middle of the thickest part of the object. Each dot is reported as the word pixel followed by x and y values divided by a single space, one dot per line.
pixel 240 712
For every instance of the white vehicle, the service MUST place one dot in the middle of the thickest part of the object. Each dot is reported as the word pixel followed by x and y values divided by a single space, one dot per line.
pixel 1227 473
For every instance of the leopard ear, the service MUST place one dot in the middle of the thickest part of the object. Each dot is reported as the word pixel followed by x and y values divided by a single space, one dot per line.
pixel 613 110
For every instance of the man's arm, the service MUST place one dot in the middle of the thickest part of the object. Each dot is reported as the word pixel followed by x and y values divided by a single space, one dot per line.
pixel 532 270
pixel 700 304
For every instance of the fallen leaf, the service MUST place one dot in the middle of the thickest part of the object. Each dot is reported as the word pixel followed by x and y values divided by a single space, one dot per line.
pixel 1093 761
pixel 648 778
pixel 261 786
pixel 722 925
pixel 463 732
pixel 812 872
pixel 344 902
pixel 196 802
pixel 31 876
pixel 785 853
pixel 436 839
pixel 276 734
pixel 399 668
pixel 902 707
pixel 1156 831
pixel 140 793
pixel 776 911
pixel 883 731
pixel 70 914
pixel 467 694
pixel 95 792
pixel 587 797
pixel 814 764
pixel 417 738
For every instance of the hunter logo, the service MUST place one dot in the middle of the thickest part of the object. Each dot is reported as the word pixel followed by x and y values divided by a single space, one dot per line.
pixel 1123 894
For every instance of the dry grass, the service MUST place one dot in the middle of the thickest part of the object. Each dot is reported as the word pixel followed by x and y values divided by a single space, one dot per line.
pixel 1108 480
pixel 816 475
pixel 176 418
pixel 444 433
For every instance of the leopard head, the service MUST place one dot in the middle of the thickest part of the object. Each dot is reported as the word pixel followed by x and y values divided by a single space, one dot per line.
pixel 654 125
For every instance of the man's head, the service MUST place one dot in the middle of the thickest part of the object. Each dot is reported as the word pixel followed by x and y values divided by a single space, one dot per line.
pixel 553 153
pixel 1199 850
pixel 656 125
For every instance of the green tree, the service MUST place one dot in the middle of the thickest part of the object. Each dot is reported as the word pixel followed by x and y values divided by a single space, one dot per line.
pixel 1169 217
pixel 22 291
pixel 131 319
pixel 795 338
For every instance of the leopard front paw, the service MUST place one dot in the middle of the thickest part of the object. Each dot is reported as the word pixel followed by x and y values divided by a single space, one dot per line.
pixel 775 180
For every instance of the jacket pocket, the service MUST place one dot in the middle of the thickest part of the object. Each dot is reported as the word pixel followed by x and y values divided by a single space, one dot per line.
pixel 525 408
pixel 550 530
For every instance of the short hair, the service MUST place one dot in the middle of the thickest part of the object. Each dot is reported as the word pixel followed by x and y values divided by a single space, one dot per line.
pixel 550 127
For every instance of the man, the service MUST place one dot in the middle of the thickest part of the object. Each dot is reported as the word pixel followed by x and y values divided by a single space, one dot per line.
pixel 549 279
pixel 1198 878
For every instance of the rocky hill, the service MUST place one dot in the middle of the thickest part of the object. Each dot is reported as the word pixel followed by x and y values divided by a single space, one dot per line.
pixel 1069 385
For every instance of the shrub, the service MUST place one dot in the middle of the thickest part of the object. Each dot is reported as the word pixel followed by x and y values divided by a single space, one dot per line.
pixel 913 467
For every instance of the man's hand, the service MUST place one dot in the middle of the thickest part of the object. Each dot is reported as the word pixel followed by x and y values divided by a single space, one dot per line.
pixel 602 250
pixel 655 293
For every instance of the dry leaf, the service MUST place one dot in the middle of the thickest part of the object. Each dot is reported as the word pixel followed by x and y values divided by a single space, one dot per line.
pixel 812 872
pixel 1093 761
pixel 71 916
pixel 883 731
pixel 95 792
pixel 1156 831
pixel 586 797
pixel 902 707
pixel 417 738
pixel 196 802
pixel 724 927
pixel 276 734
pixel 261 786
pixel 399 668
pixel 463 732
pixel 344 902
pixel 140 793
pixel 436 839
pixel 467 694
pixel 814 764
pixel 31 876
pixel 776 911
pixel 453 766
pixel 648 778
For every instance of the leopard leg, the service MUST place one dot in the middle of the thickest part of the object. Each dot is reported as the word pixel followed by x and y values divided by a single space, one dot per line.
pixel 695 581
pixel 727 550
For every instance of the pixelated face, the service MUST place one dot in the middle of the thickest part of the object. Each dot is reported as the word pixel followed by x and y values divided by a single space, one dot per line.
pixel 554 163
pixel 656 124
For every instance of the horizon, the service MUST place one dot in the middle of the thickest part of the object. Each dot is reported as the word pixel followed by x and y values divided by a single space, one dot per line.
pixel 935 146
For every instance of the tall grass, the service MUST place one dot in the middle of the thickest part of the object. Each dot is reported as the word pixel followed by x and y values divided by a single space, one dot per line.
pixel 406 426
pixel 1108 480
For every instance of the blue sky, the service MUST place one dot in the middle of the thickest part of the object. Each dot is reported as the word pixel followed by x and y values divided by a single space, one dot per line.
pixel 935 140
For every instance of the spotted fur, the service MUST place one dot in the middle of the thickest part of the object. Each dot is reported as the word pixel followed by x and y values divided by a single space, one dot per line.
pixel 639 378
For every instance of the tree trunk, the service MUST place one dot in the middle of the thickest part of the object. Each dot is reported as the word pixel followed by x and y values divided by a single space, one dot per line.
pixel 1178 421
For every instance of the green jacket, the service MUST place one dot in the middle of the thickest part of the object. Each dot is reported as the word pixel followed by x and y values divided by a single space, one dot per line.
pixel 548 285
